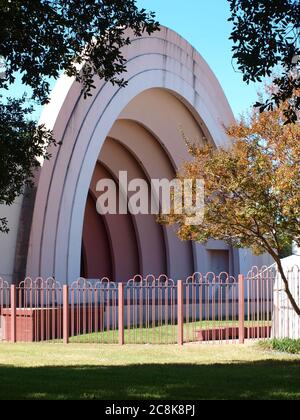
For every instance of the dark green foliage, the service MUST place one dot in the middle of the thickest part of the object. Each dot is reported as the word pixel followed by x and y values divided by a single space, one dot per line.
pixel 22 143
pixel 287 251
pixel 266 40
pixel 40 39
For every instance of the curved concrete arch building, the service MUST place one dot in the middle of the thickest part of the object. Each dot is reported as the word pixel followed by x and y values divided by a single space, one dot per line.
pixel 57 231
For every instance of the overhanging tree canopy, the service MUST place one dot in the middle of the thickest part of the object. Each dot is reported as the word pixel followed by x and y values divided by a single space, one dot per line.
pixel 266 41
pixel 40 39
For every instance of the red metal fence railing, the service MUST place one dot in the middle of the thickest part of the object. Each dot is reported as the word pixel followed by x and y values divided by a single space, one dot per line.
pixel 4 303
pixel 38 310
pixel 150 310
pixel 150 314
pixel 211 308
pixel 259 302
pixel 93 312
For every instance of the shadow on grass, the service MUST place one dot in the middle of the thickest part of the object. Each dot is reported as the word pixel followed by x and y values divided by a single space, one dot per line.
pixel 257 380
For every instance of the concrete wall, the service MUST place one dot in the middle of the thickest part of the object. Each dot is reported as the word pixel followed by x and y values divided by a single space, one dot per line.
pixel 247 260
pixel 8 243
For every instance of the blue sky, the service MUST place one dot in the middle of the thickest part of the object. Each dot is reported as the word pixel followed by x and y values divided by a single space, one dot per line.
pixel 204 24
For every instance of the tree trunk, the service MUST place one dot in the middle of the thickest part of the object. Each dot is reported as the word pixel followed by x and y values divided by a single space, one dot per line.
pixel 287 288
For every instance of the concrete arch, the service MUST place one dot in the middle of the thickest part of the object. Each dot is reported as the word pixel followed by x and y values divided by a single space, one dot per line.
pixel 97 258
pixel 149 234
pixel 156 165
pixel 164 61
pixel 121 235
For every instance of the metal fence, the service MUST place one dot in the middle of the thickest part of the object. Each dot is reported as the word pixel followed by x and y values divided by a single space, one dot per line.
pixel 211 306
pixel 92 315
pixel 4 304
pixel 259 301
pixel 150 310
pixel 286 321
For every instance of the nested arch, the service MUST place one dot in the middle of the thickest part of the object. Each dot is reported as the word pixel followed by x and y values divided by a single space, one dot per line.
pixel 97 256
pixel 165 62
pixel 112 253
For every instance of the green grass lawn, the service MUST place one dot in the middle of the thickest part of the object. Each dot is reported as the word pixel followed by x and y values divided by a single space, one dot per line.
pixel 164 334
pixel 191 372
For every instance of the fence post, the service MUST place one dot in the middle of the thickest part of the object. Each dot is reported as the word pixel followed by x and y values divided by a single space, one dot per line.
pixel 66 314
pixel 121 313
pixel 241 309
pixel 180 311
pixel 13 311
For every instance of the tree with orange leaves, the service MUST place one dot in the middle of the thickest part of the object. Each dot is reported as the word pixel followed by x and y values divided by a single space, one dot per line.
pixel 252 190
